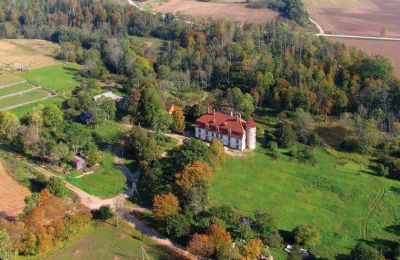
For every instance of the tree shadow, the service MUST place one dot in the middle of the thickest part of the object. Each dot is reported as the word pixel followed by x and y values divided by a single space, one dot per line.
pixel 394 229
pixel 395 190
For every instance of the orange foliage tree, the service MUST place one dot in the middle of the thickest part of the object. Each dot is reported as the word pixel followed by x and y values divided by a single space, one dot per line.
pixel 194 174
pixel 178 120
pixel 219 236
pixel 201 245
pixel 165 205
pixel 253 248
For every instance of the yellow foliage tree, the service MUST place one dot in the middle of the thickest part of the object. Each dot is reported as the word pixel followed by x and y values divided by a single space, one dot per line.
pixel 178 120
pixel 165 205
pixel 194 174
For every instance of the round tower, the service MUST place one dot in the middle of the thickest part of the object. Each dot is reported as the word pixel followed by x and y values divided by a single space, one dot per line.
pixel 251 134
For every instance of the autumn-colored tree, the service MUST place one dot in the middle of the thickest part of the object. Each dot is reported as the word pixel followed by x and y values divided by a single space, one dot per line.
pixel 5 244
pixel 194 175
pixel 253 248
pixel 165 205
pixel 219 236
pixel 217 152
pixel 178 124
pixel 201 245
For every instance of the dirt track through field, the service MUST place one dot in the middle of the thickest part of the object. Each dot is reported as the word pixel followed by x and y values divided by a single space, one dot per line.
pixel 12 195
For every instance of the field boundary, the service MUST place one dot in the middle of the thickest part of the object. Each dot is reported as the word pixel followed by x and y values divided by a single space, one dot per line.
pixel 19 93
pixel 13 84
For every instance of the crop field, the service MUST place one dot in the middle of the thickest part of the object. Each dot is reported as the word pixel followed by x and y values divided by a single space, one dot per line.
pixel 12 195
pixel 357 17
pixel 21 54
pixel 105 241
pixel 339 196
pixel 232 10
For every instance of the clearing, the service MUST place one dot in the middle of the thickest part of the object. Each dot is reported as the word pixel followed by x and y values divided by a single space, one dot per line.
pixel 338 196
pixel 232 10
pixel 23 54
pixel 105 241
pixel 12 195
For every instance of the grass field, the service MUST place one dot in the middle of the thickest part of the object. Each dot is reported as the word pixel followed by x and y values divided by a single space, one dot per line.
pixel 20 99
pixel 59 78
pixel 21 111
pixel 342 200
pixel 105 241
pixel 106 182
pixel 14 89
pixel 7 77
pixel 26 54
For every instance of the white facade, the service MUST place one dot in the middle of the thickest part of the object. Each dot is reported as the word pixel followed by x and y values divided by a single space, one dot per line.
pixel 228 141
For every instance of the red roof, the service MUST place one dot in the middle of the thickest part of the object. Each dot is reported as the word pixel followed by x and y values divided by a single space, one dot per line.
pixel 224 124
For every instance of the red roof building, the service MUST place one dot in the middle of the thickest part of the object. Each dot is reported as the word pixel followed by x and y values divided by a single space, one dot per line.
pixel 231 129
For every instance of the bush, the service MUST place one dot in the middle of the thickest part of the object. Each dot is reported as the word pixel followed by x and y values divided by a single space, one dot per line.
pixel 363 251
pixel 275 240
pixel 57 187
pixel 287 136
pixel 177 226
pixel 382 170
pixel 103 213
pixel 306 235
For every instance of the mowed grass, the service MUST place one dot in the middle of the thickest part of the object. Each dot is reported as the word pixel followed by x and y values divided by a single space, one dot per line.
pixel 106 241
pixel 15 89
pixel 31 96
pixel 22 111
pixel 61 78
pixel 342 200
pixel 7 78
pixel 106 182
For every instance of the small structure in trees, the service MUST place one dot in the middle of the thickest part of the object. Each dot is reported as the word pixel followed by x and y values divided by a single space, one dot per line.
pixel 109 94
pixel 78 162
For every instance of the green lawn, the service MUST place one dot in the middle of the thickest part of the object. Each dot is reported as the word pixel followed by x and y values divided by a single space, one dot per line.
pixel 15 89
pixel 343 201
pixel 20 99
pixel 106 182
pixel 21 111
pixel 59 78
pixel 109 132
pixel 7 77
pixel 105 241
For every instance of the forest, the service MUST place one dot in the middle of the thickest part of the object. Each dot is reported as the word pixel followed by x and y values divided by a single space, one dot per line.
pixel 278 69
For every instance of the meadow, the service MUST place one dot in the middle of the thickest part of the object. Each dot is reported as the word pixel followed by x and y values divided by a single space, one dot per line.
pixel 340 196
pixel 32 96
pixel 60 78
pixel 106 182
pixel 105 241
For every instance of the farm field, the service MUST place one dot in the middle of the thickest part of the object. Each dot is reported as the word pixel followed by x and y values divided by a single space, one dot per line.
pixel 22 54
pixel 231 10
pixel 105 241
pixel 15 89
pixel 389 49
pixel 21 111
pixel 357 17
pixel 60 78
pixel 32 96
pixel 12 194
pixel 337 196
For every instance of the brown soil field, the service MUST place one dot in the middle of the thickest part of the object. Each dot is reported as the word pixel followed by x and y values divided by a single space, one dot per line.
pixel 234 11
pixel 389 49
pixel 357 17
pixel 12 195
pixel 21 54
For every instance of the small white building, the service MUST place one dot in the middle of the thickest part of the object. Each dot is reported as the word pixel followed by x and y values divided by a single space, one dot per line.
pixel 109 94
pixel 232 130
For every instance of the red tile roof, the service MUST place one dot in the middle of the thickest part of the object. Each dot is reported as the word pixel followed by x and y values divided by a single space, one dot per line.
pixel 223 124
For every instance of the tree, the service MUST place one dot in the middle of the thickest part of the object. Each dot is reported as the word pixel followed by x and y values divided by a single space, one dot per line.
pixel 178 118
pixel 304 125
pixel 104 213
pixel 142 146
pixel 253 248
pixel 306 235
pixel 165 205
pixel 363 251
pixel 219 237
pixel 201 245
pixel 57 187
pixel 9 125
pixel 5 245
pixel 77 136
pixel 194 175
pixel 217 152
pixel 190 151
pixel 264 224
pixel 287 136
pixel 52 116
pixel 178 226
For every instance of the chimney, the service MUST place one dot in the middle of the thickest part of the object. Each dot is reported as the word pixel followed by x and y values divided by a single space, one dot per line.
pixel 213 111
pixel 209 110
pixel 231 112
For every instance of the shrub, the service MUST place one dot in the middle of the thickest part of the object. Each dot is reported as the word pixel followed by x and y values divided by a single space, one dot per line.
pixel 287 136
pixel 363 251
pixel 177 226
pixel 306 235
pixel 57 187
pixel 104 213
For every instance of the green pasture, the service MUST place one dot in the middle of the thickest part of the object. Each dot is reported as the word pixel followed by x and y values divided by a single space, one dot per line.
pixel 32 96
pixel 15 89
